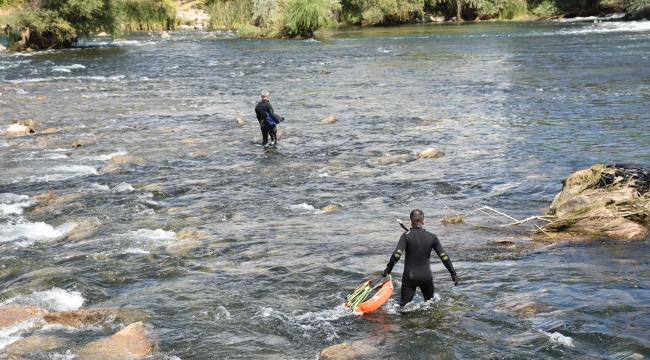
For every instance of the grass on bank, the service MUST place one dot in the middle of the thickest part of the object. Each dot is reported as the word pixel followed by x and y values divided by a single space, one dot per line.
pixel 145 15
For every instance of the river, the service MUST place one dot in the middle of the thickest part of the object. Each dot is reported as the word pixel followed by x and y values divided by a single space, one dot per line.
pixel 513 107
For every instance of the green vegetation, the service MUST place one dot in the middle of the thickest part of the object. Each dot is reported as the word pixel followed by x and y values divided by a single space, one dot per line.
pixel 306 16
pixel 42 24
pixel 148 14
pixel 55 24
pixel 230 14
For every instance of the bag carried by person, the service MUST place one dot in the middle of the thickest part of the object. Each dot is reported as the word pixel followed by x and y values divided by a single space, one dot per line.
pixel 273 119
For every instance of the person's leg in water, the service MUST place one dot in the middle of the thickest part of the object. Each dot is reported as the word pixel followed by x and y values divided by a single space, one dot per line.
pixel 427 289
pixel 273 133
pixel 408 291
pixel 265 134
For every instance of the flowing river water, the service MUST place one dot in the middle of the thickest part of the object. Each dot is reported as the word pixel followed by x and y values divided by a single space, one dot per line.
pixel 514 108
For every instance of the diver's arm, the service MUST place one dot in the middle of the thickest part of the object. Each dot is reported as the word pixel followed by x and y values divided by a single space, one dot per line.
pixel 397 254
pixel 445 260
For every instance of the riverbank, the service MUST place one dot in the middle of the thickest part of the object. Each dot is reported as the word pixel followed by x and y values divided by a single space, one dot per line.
pixel 255 19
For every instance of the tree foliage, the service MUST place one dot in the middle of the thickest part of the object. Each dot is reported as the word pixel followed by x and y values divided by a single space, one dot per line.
pixel 62 22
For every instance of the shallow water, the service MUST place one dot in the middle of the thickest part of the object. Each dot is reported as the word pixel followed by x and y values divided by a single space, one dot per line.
pixel 514 108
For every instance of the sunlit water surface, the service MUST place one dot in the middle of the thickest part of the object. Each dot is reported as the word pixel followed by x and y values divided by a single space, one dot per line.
pixel 514 108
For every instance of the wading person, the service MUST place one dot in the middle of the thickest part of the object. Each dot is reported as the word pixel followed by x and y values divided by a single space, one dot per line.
pixel 416 245
pixel 267 119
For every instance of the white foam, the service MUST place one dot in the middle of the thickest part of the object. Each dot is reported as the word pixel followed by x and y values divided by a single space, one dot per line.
pixel 61 173
pixel 558 338
pixel 58 156
pixel 106 157
pixel 68 68
pixel 614 16
pixel 393 307
pixel 15 208
pixel 310 322
pixel 158 234
pixel 21 229
pixel 610 27
pixel 54 299
pixel 135 251
pixel 306 207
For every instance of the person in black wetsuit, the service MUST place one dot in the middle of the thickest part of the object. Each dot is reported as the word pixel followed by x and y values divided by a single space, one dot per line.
pixel 416 244
pixel 267 119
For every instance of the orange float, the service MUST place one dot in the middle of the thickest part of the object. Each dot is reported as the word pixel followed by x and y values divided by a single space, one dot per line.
pixel 379 299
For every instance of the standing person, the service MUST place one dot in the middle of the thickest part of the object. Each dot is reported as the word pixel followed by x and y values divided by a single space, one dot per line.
pixel 267 119
pixel 416 244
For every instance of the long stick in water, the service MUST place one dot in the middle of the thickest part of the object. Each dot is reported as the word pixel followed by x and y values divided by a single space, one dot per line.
pixel 402 225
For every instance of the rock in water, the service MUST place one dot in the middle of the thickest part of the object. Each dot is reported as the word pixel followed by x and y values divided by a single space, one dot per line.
pixel 18 130
pixel 2 48
pixel 79 318
pixel 348 351
pixel 240 121
pixel 49 131
pixel 132 342
pixel 12 314
pixel 165 35
pixel 34 343
pixel 121 159
pixel 329 120
pixel 102 34
pixel 429 153
pixel 604 200
pixel 331 208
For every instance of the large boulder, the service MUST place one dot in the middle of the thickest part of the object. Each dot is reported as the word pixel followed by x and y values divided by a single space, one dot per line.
pixel 13 314
pixel 132 342
pixel 349 351
pixel 604 200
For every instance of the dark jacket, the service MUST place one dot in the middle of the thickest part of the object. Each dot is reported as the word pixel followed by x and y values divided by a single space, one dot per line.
pixel 261 109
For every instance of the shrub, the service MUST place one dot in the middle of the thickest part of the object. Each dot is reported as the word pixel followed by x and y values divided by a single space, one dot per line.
pixel 148 14
pixel 230 14
pixel 546 8
pixel 249 31
pixel 511 9
pixel 303 17
pixel 370 12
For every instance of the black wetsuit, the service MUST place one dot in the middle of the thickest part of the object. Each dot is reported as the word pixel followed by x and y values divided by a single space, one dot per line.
pixel 417 244
pixel 261 109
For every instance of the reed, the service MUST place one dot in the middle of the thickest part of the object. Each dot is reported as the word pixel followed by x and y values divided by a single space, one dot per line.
pixel 230 14
pixel 145 15
pixel 303 17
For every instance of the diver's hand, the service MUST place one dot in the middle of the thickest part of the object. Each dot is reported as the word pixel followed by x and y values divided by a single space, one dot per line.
pixel 454 277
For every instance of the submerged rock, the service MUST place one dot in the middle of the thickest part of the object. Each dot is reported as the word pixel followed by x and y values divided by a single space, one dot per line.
pixel 122 159
pixel 429 153
pixel 348 351
pixel 328 120
pixel 189 233
pixel 331 208
pixel 132 342
pixel 79 318
pixel 49 131
pixel 604 200
pixel 13 314
pixel 34 343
